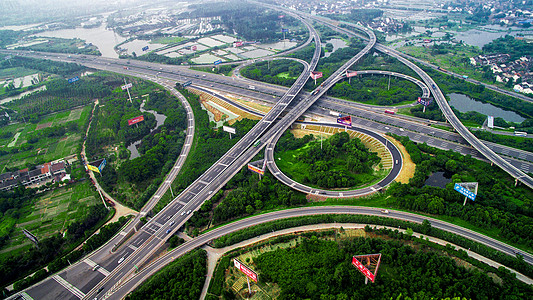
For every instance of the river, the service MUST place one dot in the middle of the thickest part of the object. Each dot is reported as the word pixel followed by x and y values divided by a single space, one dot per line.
pixel 160 118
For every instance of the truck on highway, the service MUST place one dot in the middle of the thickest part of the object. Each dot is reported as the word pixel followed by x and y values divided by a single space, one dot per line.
pixel 384 211
pixel 251 87
pixel 465 77
pixel 390 112
pixel 520 133
pixel 257 143
pixel 334 113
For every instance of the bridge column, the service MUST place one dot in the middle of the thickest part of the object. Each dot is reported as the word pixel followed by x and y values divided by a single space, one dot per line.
pixel 516 182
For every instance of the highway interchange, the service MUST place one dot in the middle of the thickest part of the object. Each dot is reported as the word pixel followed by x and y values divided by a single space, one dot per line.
pixel 83 280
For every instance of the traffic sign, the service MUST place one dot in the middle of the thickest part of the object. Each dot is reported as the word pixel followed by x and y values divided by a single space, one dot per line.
pixel 127 86
pixel 187 83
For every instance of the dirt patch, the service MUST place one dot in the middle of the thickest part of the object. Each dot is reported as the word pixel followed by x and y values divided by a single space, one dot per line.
pixel 408 168
pixel 45 125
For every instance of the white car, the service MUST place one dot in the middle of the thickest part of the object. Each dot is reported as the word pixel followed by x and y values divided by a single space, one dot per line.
pixel 121 259
pixel 401 129
pixel 171 223
pixel 182 213
pixel 189 211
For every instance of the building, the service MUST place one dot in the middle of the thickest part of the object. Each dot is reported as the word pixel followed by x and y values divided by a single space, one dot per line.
pixel 46 172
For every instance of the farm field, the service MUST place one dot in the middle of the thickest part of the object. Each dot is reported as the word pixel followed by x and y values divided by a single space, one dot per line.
pixel 47 148
pixel 49 214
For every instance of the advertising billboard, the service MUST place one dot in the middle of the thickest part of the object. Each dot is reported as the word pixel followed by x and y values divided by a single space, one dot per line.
pixel 256 169
pixel 363 269
pixel 135 120
pixel 187 83
pixel 239 44
pixel 127 86
pixel 102 165
pixel 351 73
pixel 73 79
pixel 145 48
pixel 316 75
pixel 284 30
pixel 218 62
pixel 346 121
pixel 490 121
pixel 229 129
pixel 93 168
pixel 247 271
pixel 424 101
pixel 193 48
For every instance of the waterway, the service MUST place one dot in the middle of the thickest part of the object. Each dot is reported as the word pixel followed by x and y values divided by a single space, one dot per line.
pixel 486 34
pixel 464 103
pixel 160 118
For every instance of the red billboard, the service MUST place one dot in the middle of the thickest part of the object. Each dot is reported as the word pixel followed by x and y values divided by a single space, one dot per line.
pixel 256 169
pixel 238 44
pixel 351 73
pixel 193 48
pixel 363 269
pixel 316 75
pixel 346 121
pixel 247 271
pixel 135 120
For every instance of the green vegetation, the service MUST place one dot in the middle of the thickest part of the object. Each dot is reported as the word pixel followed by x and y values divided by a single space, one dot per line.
pixel 333 277
pixel 338 162
pixel 358 15
pixel 134 181
pixel 224 69
pixel 181 279
pixel 271 71
pixel 55 136
pixel 60 45
pixel 375 90
pixel 167 40
pixel 43 214
pixel 500 208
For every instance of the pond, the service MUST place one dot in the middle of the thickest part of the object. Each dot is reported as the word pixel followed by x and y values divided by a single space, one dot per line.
pixel 160 118
pixel 486 34
pixel 464 103
pixel 438 179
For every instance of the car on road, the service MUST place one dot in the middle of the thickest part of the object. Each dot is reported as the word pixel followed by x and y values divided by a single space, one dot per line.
pixel 99 290
pixel 401 129
pixel 387 128
pixel 121 259
pixel 189 211
pixel 168 230
pixel 396 161
pixel 384 211
pixel 182 213
pixel 171 223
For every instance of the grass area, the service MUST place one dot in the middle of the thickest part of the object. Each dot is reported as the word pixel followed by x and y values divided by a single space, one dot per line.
pixel 46 149
pixel 49 214
pixel 167 40
pixel 285 75
pixel 290 164
pixel 16 72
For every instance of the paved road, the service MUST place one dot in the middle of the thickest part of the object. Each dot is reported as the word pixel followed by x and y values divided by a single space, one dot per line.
pixel 209 236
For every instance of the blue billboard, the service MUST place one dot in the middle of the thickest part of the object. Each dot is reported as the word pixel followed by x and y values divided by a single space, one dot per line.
pixel 74 79
pixel 470 195
pixel 218 62
pixel 145 48
pixel 284 30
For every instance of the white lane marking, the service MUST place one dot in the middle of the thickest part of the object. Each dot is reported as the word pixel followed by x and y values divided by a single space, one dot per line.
pixel 74 290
